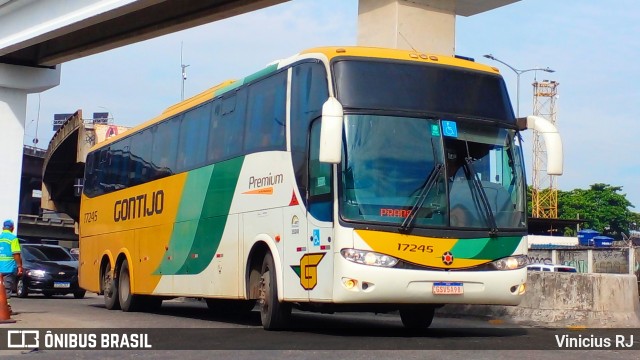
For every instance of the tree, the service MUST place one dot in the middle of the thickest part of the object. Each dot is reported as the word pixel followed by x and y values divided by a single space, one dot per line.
pixel 602 206
pixel 634 221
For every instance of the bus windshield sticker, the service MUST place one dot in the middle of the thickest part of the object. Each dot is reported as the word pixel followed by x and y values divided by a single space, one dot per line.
pixel 295 225
pixel 449 128
pixel 435 130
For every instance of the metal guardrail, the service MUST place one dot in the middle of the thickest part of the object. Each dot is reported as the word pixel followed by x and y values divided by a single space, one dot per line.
pixel 70 125
pixel 34 151
pixel 40 221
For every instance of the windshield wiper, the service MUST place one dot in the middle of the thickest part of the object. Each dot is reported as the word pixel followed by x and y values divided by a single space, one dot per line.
pixel 424 191
pixel 483 200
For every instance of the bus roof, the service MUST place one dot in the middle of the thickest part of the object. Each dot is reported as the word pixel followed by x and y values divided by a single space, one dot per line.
pixel 329 52
pixel 397 54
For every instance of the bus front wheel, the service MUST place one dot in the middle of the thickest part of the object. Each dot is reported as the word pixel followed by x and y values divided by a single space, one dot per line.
pixel 273 313
pixel 417 317
pixel 110 289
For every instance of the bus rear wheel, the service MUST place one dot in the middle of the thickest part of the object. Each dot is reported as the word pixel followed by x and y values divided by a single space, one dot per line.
pixel 417 317
pixel 128 301
pixel 110 289
pixel 273 313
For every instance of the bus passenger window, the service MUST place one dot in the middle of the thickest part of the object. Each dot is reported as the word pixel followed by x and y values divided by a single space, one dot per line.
pixel 140 157
pixel 194 132
pixel 216 133
pixel 266 105
pixel 320 180
pixel 165 145
pixel 309 91
pixel 233 124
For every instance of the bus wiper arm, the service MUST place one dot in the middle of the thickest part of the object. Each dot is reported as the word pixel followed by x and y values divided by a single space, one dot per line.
pixel 484 201
pixel 424 191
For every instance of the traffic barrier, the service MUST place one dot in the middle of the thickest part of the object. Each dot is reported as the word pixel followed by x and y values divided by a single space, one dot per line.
pixel 5 314
pixel 556 299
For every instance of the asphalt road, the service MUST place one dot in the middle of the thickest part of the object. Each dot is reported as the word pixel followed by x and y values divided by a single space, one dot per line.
pixel 186 324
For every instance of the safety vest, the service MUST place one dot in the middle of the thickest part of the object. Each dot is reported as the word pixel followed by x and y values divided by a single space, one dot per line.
pixel 9 245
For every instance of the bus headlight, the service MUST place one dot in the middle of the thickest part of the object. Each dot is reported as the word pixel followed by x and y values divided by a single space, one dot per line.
pixel 510 263
pixel 368 257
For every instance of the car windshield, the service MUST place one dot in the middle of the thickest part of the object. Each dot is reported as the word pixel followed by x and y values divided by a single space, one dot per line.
pixel 29 253
pixel 46 253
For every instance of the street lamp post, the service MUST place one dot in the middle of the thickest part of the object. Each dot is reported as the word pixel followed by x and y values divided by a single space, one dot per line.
pixel 184 72
pixel 518 73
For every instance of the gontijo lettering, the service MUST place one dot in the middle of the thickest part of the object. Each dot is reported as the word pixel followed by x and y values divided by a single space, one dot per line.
pixel 139 206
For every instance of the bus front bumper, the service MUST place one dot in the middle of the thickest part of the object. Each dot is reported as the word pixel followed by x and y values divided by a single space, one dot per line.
pixel 357 283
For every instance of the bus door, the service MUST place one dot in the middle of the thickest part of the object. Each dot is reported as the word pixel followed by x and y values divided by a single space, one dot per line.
pixel 295 246
pixel 317 268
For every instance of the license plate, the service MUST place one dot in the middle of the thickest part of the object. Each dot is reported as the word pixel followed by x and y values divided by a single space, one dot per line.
pixel 63 285
pixel 448 288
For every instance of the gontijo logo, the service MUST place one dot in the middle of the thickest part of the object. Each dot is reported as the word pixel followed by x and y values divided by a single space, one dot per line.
pixel 264 185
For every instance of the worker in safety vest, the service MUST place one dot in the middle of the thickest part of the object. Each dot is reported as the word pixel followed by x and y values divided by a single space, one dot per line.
pixel 10 260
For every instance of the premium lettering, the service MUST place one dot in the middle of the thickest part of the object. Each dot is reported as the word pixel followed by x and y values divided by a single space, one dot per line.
pixel 270 180
pixel 139 206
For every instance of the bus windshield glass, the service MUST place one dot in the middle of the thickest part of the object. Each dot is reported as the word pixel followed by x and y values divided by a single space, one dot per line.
pixel 391 169
pixel 485 177
pixel 388 162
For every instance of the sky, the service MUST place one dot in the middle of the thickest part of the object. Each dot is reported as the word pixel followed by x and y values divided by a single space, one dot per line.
pixel 592 45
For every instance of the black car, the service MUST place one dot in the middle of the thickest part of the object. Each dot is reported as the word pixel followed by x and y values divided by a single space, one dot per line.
pixel 49 270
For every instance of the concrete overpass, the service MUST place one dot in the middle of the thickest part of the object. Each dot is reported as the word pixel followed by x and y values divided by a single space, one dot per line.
pixel 32 224
pixel 37 36
pixel 63 164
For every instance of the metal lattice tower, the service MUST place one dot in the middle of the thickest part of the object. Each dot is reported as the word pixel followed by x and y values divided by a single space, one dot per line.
pixel 544 196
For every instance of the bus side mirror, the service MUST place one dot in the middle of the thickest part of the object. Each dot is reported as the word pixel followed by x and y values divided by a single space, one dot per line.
pixel 552 141
pixel 331 132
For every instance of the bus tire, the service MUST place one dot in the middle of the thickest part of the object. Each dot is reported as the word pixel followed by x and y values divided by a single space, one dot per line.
pixel 110 289
pixel 273 313
pixel 128 301
pixel 417 317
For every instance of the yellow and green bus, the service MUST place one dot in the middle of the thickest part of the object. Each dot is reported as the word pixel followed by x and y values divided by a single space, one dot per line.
pixel 339 179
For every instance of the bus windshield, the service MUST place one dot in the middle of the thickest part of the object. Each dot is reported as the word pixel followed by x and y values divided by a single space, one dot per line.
pixel 389 161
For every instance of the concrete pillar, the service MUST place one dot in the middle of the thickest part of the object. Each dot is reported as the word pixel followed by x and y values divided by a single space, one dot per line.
pixel 15 83
pixel 427 26
pixel 407 25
